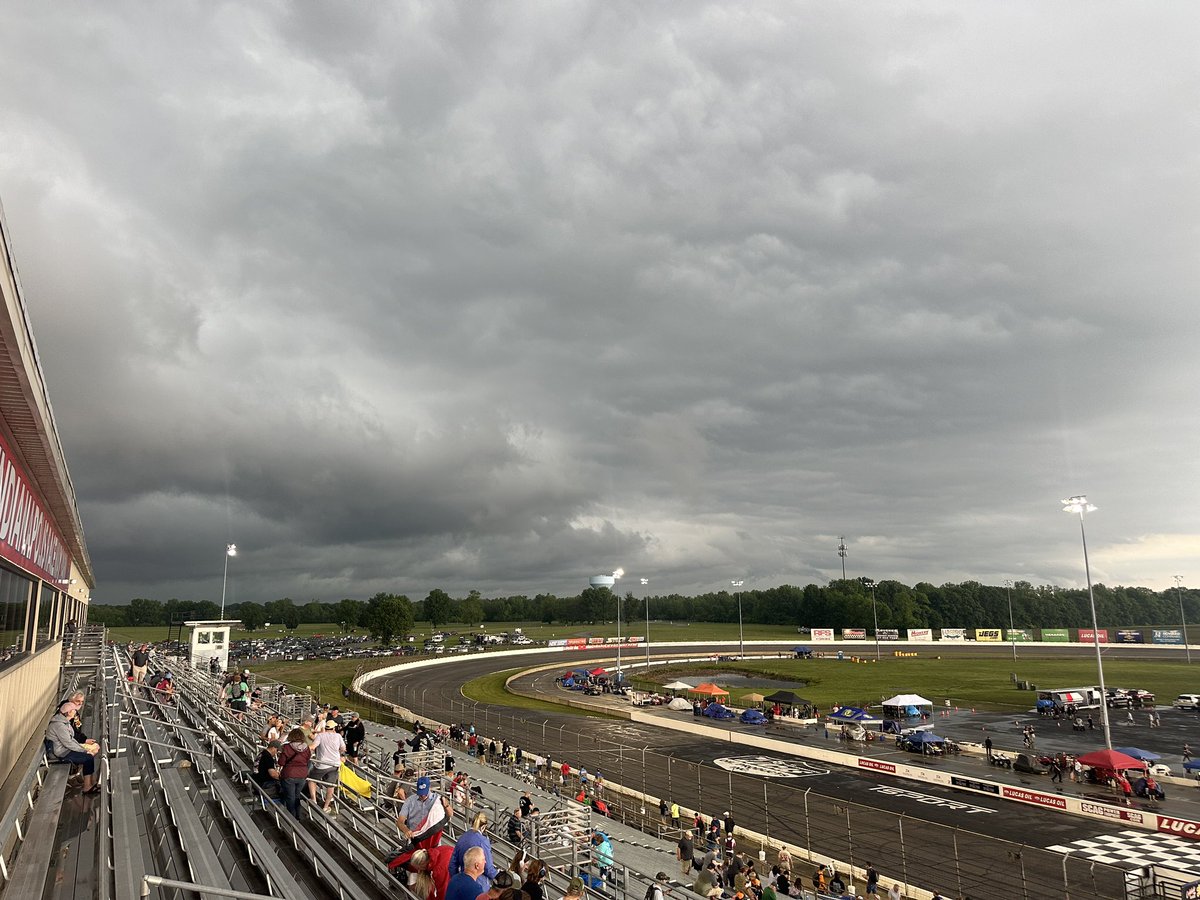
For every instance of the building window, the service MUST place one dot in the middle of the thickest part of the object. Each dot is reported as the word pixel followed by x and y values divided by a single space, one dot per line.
pixel 47 615
pixel 15 591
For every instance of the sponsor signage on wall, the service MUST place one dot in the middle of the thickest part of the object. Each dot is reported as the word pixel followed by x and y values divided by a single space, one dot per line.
pixel 876 765
pixel 1111 812
pixel 821 634
pixel 557 642
pixel 576 643
pixel 594 642
pixel 920 634
pixel 888 634
pixel 1166 636
pixel 1130 637
pixel 1056 635
pixel 1025 796
pixel 28 537
pixel 854 634
pixel 954 634
pixel 989 634
pixel 1090 636
pixel 1016 634
pixel 974 785
pixel 1182 827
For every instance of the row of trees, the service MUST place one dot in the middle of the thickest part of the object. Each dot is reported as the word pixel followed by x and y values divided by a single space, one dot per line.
pixel 841 603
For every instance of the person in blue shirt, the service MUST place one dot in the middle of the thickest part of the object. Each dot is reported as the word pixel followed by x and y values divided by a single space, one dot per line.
pixel 475 837
pixel 466 885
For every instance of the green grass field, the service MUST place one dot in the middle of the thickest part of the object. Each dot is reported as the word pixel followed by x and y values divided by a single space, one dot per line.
pixel 964 680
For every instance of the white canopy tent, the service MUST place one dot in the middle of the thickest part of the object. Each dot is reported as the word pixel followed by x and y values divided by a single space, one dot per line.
pixel 908 700
pixel 678 686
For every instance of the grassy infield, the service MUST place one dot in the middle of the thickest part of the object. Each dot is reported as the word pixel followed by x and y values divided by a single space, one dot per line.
pixel 964 679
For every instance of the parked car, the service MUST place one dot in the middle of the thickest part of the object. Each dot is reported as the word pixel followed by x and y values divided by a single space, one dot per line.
pixel 1141 698
pixel 1187 701
pixel 1118 698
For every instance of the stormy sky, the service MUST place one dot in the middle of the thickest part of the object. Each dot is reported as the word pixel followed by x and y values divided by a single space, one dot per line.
pixel 500 296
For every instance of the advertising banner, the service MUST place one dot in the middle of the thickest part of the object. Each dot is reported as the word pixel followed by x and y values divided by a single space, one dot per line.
pixel 557 642
pixel 920 634
pixel 1085 636
pixel 1181 827
pixel 876 765
pixel 989 634
pixel 593 642
pixel 637 639
pixel 888 634
pixel 28 537
pixel 821 634
pixel 1166 636
pixel 576 643
pixel 1056 635
pixel 954 634
pixel 1052 800
pixel 854 634
pixel 1017 634
pixel 612 640
pixel 1130 637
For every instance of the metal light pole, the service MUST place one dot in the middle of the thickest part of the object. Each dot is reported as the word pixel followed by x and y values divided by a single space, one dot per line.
pixel 1182 617
pixel 645 582
pixel 1079 505
pixel 842 554
pixel 741 636
pixel 617 575
pixel 875 614
pixel 230 550
pixel 1011 634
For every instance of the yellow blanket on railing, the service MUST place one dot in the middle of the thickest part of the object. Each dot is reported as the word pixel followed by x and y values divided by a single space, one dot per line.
pixel 353 783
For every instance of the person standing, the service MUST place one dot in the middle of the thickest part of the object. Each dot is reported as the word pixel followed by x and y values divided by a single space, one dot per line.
pixel 141 659
pixel 987 746
pixel 1187 753
pixel 293 769
pixel 872 880
pixel 603 851
pixel 685 852
pixel 423 817
pixel 355 734
pixel 328 749
pixel 266 772
pixel 475 836
pixel 674 814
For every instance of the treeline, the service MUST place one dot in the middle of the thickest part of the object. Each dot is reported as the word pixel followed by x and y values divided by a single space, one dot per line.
pixel 841 603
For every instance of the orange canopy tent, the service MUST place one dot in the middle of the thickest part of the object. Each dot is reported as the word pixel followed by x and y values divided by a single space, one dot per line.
pixel 709 688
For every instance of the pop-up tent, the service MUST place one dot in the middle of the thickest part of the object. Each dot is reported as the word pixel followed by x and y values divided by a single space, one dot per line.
pixel 904 706
pixel 854 714
pixel 1110 759
pixel 1143 755
pixel 786 698
pixel 677 686
pixel 710 689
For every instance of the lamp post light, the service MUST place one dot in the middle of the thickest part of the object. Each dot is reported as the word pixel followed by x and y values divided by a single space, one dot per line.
pixel 617 575
pixel 842 554
pixel 1182 617
pixel 741 634
pixel 1079 505
pixel 870 582
pixel 645 582
pixel 1011 632
pixel 230 550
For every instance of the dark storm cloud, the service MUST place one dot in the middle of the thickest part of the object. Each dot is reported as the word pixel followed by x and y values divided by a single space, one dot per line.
pixel 503 296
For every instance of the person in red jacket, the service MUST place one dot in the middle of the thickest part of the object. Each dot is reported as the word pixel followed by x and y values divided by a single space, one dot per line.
pixel 431 872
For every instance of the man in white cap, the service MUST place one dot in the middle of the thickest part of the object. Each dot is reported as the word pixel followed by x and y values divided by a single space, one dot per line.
pixel 60 735
pixel 328 750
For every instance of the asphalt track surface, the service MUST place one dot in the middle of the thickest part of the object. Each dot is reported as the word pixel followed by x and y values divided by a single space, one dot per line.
pixel 958 842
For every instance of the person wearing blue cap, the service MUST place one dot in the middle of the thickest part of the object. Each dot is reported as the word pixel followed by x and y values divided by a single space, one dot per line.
pixel 423 816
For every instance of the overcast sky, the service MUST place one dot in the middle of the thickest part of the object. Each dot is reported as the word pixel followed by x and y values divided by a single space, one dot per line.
pixel 500 296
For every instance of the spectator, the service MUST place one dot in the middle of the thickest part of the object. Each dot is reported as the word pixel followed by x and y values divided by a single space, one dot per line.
pixel 141 659
pixel 685 853
pixel 872 880
pixel 61 736
pixel 356 733
pixel 266 769
pixel 533 880
pixel 430 876
pixel 656 888
pixel 466 885
pixel 423 817
pixel 602 850
pixel 894 893
pixel 837 887
pixel 516 828
pixel 165 689
pixel 519 866
pixel 575 890
pixel 76 720
pixel 327 751
pixel 674 814
pixel 503 884
pixel 293 769
pixel 476 836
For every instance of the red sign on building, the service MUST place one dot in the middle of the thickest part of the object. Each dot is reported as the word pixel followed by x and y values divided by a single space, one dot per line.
pixel 28 537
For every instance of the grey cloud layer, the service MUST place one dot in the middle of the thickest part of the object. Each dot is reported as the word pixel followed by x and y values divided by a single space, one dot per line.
pixel 500 296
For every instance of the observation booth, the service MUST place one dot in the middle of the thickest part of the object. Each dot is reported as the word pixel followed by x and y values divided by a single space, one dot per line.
pixel 210 639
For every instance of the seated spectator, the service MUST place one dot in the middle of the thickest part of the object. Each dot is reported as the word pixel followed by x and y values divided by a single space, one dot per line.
pixel 503 883
pixel 266 773
pixel 575 890
pixel 165 689
pixel 430 872
pixel 60 736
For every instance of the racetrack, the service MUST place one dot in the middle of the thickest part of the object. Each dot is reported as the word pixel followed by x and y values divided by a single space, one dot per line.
pixel 933 837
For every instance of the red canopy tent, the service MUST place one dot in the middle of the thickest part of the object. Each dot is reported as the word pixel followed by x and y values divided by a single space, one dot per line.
pixel 1110 759
pixel 709 688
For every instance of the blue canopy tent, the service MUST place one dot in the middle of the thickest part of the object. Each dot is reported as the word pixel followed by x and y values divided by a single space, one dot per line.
pixel 854 714
pixel 925 737
pixel 1143 755
pixel 717 711
pixel 802 652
